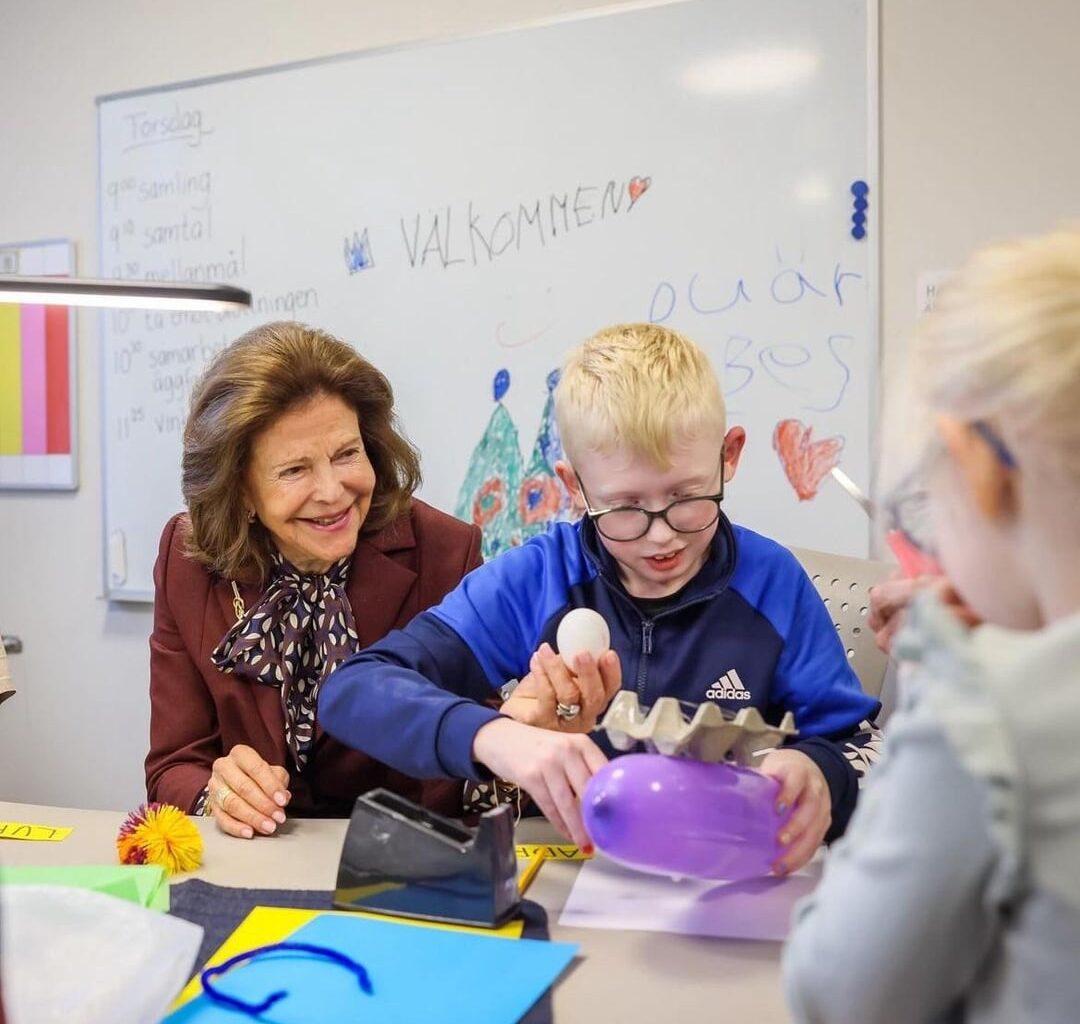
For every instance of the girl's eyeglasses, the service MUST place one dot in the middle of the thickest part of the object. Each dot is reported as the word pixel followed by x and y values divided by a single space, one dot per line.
pixel 910 533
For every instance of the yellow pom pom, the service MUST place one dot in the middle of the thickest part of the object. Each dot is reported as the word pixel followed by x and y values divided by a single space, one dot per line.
pixel 160 834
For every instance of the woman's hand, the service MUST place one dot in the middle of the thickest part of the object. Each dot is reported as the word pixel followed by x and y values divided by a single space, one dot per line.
pixel 889 600
pixel 590 686
pixel 802 786
pixel 553 769
pixel 246 795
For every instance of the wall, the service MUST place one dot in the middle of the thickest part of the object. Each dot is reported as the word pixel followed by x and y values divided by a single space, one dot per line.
pixel 976 144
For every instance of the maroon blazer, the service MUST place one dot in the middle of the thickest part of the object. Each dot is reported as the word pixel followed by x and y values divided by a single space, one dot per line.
pixel 198 713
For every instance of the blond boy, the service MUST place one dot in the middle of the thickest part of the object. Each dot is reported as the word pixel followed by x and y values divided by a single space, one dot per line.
pixel 698 609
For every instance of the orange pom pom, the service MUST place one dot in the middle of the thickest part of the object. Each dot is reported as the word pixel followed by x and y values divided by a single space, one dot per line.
pixel 160 834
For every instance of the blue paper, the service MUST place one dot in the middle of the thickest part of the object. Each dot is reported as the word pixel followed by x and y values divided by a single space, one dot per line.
pixel 417 974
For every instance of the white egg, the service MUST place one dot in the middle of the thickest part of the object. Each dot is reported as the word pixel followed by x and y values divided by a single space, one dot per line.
pixel 582 629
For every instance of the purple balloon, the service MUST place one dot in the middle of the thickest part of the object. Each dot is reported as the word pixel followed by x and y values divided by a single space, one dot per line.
pixel 675 816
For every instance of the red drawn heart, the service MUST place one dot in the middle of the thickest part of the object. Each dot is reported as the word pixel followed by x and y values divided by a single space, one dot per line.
pixel 806 462
pixel 637 188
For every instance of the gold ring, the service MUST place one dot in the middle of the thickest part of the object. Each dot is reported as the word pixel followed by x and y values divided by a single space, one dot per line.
pixel 223 793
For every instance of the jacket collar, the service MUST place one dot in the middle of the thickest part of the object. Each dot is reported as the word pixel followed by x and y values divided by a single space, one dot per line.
pixel 713 577
pixel 380 584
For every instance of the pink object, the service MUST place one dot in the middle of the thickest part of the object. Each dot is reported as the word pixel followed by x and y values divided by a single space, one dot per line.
pixel 686 818
pixel 913 561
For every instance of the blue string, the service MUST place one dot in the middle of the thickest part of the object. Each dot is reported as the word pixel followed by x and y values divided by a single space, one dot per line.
pixel 255 1009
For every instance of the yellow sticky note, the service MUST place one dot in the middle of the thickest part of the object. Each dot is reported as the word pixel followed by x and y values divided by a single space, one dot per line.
pixel 33 833
pixel 266 925
pixel 550 851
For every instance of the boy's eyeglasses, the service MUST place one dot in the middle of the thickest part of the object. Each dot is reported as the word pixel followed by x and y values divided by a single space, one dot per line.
pixel 627 522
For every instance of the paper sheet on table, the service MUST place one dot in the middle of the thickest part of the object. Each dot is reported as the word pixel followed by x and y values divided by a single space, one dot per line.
pixel 551 851
pixel 421 974
pixel 146 885
pixel 606 895
pixel 34 833
pixel 267 925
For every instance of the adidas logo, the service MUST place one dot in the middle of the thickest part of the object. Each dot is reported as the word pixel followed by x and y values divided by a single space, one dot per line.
pixel 728 687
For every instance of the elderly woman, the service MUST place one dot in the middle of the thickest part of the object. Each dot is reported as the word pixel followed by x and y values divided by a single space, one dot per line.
pixel 302 544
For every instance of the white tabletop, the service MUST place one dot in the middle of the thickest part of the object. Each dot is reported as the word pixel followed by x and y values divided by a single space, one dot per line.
pixel 623 976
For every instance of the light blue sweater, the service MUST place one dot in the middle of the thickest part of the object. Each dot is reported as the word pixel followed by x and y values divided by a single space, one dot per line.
pixel 955 895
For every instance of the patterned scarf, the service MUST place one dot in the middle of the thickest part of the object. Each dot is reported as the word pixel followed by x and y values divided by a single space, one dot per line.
pixel 300 630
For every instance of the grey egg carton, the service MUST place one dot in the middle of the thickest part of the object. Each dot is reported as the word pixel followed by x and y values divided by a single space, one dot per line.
pixel 708 735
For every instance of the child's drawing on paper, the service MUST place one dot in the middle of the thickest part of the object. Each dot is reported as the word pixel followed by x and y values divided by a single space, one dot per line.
pixel 508 505
pixel 806 462
pixel 541 498
pixel 488 495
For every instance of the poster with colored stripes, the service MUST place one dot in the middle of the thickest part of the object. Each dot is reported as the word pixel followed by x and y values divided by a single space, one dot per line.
pixel 37 377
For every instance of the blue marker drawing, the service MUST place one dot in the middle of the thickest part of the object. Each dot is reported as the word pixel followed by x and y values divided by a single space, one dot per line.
pixel 800 281
pixel 358 253
pixel 773 362
pixel 740 293
pixel 653 317
pixel 838 278
pixel 832 342
pixel 736 345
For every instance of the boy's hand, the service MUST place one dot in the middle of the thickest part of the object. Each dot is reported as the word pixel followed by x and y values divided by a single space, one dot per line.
pixel 802 786
pixel 549 683
pixel 554 770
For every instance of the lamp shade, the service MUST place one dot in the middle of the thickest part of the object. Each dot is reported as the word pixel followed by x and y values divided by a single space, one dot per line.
pixel 85 291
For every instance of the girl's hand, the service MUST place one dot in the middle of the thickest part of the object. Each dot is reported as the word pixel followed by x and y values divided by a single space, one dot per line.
pixel 888 601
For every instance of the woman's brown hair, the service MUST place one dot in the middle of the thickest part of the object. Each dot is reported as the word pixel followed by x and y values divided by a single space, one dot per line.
pixel 263 374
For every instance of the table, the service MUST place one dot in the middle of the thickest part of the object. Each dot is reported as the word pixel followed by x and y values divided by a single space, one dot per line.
pixel 620 976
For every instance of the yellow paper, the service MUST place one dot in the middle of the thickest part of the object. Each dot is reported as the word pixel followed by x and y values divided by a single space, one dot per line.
pixel 33 833
pixel 267 925
pixel 527 851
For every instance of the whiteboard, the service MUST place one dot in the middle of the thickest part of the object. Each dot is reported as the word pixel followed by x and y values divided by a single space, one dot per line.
pixel 465 212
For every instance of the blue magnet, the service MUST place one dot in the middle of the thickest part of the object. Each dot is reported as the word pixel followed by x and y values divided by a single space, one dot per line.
pixel 501 384
pixel 859 188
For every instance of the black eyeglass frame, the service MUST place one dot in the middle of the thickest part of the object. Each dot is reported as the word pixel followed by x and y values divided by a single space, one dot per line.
pixel 597 514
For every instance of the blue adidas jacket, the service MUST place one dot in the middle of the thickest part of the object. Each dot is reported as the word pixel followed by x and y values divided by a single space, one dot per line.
pixel 414 699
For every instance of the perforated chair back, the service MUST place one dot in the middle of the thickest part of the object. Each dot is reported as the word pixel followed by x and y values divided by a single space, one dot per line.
pixel 844 585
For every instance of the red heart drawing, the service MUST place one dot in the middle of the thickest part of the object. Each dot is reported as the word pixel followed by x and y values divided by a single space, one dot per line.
pixel 637 188
pixel 806 462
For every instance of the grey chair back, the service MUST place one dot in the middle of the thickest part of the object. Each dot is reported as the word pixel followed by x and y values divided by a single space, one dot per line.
pixel 844 585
